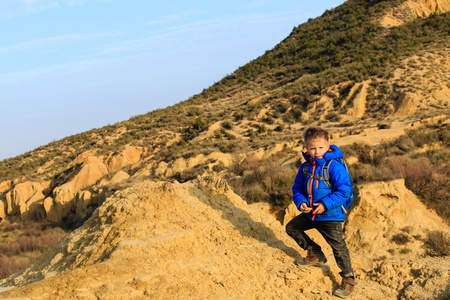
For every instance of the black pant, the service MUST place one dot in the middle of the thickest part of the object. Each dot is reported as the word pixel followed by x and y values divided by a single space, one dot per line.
pixel 332 233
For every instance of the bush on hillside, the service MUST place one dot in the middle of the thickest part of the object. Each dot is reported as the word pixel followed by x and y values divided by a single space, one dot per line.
pixel 437 243
pixel 9 265
pixel 263 180
pixel 27 240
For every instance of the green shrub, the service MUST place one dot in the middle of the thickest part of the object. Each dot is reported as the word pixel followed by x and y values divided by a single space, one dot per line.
pixel 280 127
pixel 262 129
pixel 238 115
pixel 227 125
pixel 190 173
pixel 400 239
pixel 228 135
pixel 423 136
pixel 364 172
pixel 229 147
pixel 251 134
pixel 281 107
pixel 332 117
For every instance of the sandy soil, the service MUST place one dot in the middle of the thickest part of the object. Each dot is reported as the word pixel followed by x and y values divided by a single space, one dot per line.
pixel 199 240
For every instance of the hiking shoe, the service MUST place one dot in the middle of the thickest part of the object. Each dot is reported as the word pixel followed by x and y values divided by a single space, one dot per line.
pixel 346 288
pixel 315 256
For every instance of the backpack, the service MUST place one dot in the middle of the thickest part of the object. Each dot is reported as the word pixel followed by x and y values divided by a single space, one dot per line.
pixel 325 177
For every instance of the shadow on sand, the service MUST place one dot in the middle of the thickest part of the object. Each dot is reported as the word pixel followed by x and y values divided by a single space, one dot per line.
pixel 244 222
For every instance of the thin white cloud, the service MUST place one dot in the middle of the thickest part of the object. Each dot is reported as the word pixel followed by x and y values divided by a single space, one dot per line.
pixel 175 17
pixel 52 42
pixel 72 3
pixel 255 4
pixel 12 8
pixel 187 32
pixel 57 71
pixel 76 2
pixel 162 37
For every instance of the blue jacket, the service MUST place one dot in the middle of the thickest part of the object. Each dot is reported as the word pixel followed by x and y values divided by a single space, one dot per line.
pixel 332 199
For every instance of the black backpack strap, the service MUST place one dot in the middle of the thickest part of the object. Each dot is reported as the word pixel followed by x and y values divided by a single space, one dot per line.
pixel 306 173
pixel 305 170
pixel 318 177
pixel 325 174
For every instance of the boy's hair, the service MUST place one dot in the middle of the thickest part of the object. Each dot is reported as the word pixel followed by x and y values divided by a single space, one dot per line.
pixel 312 133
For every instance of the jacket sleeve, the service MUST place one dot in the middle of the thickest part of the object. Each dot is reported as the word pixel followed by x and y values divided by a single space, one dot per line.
pixel 342 186
pixel 299 190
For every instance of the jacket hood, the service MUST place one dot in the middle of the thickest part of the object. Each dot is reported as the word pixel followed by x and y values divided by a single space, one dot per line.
pixel 333 153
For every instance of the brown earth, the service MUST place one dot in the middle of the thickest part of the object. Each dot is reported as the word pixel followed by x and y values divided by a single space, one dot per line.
pixel 199 240
pixel 409 10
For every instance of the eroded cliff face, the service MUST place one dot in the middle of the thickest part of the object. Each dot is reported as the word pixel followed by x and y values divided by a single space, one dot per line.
pixel 54 200
pixel 411 9
pixel 200 240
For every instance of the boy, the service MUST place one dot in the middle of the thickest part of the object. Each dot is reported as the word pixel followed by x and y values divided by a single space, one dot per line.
pixel 322 206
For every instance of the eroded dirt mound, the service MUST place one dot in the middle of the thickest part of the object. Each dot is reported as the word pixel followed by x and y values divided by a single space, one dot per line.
pixel 197 240
pixel 160 240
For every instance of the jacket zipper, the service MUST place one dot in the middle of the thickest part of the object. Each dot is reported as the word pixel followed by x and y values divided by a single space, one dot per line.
pixel 310 188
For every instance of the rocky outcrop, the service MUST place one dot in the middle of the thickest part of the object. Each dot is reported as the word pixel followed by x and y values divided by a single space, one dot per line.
pixel 129 156
pixel 27 200
pixel 385 210
pixel 23 201
pixel 411 9
pixel 92 169
pixel 358 97
pixel 179 165
pixel 82 201
pixel 5 185
pixel 425 8
pixel 2 211
pixel 407 104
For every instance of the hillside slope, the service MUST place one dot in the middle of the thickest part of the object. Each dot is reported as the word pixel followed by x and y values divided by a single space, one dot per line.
pixel 199 240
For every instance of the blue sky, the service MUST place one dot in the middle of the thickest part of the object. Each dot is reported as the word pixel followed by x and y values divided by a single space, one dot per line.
pixel 68 66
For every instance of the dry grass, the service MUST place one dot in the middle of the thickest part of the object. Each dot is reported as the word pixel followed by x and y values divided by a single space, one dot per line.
pixel 437 243
pixel 263 180
pixel 22 241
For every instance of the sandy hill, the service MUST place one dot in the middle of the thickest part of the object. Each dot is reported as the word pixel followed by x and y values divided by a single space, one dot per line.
pixel 199 240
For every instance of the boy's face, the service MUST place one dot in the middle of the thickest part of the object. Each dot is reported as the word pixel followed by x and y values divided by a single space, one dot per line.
pixel 317 147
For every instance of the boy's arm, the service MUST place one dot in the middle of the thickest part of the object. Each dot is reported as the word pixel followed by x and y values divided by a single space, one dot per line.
pixel 342 186
pixel 298 189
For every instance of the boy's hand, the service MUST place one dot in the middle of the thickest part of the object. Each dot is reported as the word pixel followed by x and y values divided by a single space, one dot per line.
pixel 304 207
pixel 320 208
